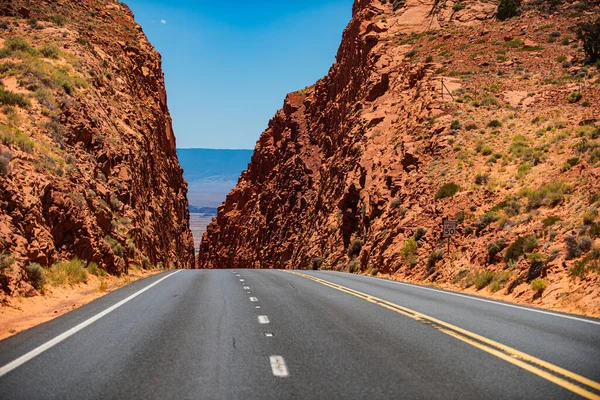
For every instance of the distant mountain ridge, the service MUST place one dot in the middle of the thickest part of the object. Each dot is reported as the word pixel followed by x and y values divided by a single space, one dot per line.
pixel 211 174
pixel 213 164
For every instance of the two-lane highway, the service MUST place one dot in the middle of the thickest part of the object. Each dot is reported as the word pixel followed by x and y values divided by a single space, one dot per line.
pixel 256 334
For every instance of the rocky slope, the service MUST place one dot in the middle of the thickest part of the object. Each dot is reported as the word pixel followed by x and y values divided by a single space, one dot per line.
pixel 88 166
pixel 433 110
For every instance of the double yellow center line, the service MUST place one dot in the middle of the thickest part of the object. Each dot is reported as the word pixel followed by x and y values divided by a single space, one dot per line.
pixel 578 384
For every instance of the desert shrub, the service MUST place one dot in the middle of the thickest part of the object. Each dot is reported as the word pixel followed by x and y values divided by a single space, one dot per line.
pixel 585 243
pixel 521 246
pixel 315 264
pixel 71 272
pixel 548 195
pixel 447 190
pixel 539 285
pixel 594 229
pixel 455 124
pixel 355 247
pixel 373 271
pixel 571 247
pixel 481 179
pixel 507 9
pixel 35 275
pixel 434 257
pixel 471 127
pixel 14 136
pixel 419 233
pixel 58 19
pixel 395 203
pixel 6 262
pixel 397 4
pixel 13 99
pixel 353 266
pixel 550 220
pixel 482 279
pixel 494 248
pixel 410 248
pixel 93 269
pixel 590 216
pixel 19 44
pixel 50 51
pixel 589 33
pixel 5 156
pixel 574 97
pixel 494 124
pixel 117 248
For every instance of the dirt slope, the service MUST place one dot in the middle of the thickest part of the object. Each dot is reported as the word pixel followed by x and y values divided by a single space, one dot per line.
pixel 88 166
pixel 357 172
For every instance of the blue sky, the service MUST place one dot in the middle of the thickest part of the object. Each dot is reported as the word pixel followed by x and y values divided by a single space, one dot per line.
pixel 228 65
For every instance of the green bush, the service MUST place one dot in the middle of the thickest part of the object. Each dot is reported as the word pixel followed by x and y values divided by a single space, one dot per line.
pixel 434 257
pixel 494 124
pixel 447 190
pixel 574 97
pixel 314 265
pixel 5 157
pixel 35 275
pixel 355 248
pixel 19 44
pixel 549 195
pixel 539 285
pixel 494 248
pixel 50 51
pixel 117 248
pixel 483 279
pixel 6 262
pixel 410 248
pixel 455 124
pixel 521 246
pixel 507 9
pixel 419 233
pixel 13 99
pixel 550 220
pixel 353 266
pixel 71 272
pixel 9 136
pixel 589 33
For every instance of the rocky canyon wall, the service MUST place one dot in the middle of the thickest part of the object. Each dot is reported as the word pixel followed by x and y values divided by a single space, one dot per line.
pixel 88 167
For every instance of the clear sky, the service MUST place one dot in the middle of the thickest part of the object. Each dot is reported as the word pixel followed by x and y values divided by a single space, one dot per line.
pixel 229 64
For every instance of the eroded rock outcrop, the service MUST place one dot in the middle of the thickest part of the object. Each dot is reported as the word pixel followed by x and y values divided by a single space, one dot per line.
pixel 411 125
pixel 90 168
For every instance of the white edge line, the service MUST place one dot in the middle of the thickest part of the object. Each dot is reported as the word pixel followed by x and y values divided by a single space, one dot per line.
pixel 53 342
pixel 499 303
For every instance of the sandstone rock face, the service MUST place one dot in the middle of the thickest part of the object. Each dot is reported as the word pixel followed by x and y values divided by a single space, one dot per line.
pixel 350 168
pixel 93 171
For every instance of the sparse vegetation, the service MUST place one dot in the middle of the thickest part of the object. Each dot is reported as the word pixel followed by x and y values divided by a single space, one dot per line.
pixel 521 246
pixel 5 156
pixel 574 97
pixel 447 190
pixel 355 248
pixel 13 99
pixel 117 248
pixel 507 9
pixel 548 195
pixel 494 248
pixel 67 272
pixel 36 275
pixel 434 257
pixel 538 285
pixel 482 279
pixel 589 33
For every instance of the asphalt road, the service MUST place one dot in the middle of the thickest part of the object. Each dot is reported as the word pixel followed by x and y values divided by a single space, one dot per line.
pixel 211 334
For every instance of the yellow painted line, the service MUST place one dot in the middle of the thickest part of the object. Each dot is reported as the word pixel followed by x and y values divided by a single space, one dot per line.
pixel 506 353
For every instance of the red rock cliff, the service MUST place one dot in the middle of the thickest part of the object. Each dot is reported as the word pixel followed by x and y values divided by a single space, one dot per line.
pixel 357 172
pixel 88 166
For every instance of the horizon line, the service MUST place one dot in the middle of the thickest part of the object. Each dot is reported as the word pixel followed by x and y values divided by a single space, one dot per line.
pixel 210 148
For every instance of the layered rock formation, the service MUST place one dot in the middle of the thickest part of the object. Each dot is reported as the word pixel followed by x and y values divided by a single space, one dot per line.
pixel 88 166
pixel 432 110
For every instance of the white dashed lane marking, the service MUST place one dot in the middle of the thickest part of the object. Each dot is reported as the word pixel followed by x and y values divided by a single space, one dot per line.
pixel 278 366
pixel 246 287
pixel 263 319
pixel 241 280
pixel 256 306
pixel 253 299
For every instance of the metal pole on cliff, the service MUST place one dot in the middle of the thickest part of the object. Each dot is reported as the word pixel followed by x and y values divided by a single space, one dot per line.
pixel 442 88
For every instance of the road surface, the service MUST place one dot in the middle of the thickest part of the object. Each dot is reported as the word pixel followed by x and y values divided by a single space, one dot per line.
pixel 265 334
